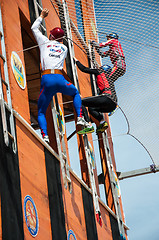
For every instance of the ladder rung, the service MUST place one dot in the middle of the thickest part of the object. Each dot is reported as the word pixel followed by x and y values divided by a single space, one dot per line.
pixel 43 27
pixel 64 156
pixel 3 58
pixel 60 133
pixel 39 6
pixel 11 136
pixel 7 106
pixel 68 179
pixel 6 84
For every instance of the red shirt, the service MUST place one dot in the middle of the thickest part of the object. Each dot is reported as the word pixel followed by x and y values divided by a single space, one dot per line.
pixel 115 49
pixel 103 83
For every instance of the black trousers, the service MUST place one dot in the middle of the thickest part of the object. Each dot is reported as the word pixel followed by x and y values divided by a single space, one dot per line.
pixel 98 105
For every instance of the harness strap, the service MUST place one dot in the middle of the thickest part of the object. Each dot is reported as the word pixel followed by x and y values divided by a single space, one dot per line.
pixel 51 71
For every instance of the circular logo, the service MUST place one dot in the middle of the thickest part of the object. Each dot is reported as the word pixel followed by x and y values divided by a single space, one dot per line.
pixel 31 216
pixel 71 235
pixel 18 70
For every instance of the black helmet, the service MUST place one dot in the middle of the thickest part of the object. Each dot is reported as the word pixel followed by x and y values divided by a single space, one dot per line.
pixel 106 68
pixel 113 35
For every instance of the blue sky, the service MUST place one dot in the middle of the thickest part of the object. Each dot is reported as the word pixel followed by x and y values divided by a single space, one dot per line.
pixel 140 194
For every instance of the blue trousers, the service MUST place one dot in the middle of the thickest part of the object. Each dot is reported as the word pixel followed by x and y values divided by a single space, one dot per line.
pixel 50 85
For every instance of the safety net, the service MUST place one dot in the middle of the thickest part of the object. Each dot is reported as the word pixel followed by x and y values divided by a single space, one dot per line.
pixel 136 24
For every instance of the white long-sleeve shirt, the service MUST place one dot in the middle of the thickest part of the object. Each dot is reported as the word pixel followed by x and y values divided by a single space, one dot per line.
pixel 52 53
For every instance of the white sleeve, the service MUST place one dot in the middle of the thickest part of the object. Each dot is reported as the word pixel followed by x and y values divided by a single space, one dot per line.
pixel 40 38
pixel 66 52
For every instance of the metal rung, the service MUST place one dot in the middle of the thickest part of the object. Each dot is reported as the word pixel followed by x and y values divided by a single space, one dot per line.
pixel 4 121
pixel 7 106
pixel 43 27
pixel 39 6
pixel 57 112
pixel 60 133
pixel 68 179
pixel 64 156
pixel 3 58
pixel 11 136
pixel 6 84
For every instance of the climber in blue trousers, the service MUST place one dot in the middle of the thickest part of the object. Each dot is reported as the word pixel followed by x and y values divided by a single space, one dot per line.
pixel 53 54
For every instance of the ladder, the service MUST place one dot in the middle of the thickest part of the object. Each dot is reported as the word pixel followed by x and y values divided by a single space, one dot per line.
pixel 92 58
pixel 86 143
pixel 55 112
pixel 8 125
pixel 61 146
pixel 67 24
pixel 92 179
pixel 113 185
pixel 109 161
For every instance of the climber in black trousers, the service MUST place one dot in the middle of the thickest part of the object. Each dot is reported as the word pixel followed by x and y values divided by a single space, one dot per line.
pixel 104 103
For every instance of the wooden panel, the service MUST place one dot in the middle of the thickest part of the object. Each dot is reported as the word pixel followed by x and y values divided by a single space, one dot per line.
pixel 104 232
pixel 33 179
pixel 90 23
pixel 74 212
pixel 89 215
pixel 12 33
pixel 57 215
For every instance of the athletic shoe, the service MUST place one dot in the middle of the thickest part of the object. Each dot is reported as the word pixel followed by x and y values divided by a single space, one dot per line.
pixel 82 122
pixel 46 139
pixel 102 127
pixel 86 130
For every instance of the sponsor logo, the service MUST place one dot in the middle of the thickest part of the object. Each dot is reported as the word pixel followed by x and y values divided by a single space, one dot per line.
pixel 71 235
pixel 55 50
pixel 31 216
pixel 18 70
pixel 54 55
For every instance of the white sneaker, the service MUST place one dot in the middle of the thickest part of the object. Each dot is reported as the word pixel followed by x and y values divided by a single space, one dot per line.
pixel 88 125
pixel 81 121
pixel 46 139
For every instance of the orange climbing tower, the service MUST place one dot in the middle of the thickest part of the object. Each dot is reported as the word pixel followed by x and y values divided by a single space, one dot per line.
pixel 41 195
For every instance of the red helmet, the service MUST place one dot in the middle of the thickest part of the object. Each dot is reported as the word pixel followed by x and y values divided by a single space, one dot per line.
pixel 57 33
